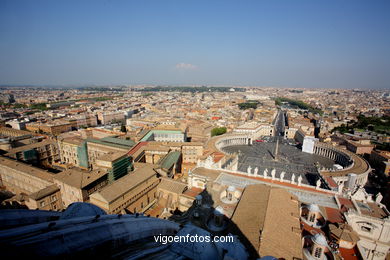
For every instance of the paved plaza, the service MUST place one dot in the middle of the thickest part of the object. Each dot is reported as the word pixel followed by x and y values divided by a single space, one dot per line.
pixel 290 160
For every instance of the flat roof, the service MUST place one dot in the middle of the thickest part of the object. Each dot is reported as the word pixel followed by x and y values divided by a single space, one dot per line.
pixel 27 169
pixel 212 174
pixel 128 182
pixel 76 140
pixel 108 143
pixel 269 218
pixel 111 156
pixel 172 185
pixel 170 159
pixel 120 141
pixel 30 146
pixel 151 132
pixel 79 178
pixel 44 192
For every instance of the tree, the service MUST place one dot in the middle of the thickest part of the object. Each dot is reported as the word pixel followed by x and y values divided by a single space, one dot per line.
pixel 218 131
pixel 247 105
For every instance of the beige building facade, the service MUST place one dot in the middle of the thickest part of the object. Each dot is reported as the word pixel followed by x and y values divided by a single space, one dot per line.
pixel 135 192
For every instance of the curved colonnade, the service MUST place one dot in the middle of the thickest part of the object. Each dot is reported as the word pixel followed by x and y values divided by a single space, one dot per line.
pixel 350 162
pixel 228 140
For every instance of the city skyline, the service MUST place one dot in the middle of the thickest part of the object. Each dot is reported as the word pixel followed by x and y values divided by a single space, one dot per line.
pixel 283 44
pixel 222 129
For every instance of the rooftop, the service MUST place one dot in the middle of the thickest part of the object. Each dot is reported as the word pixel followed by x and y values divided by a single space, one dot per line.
pixel 44 192
pixel 118 188
pixel 31 146
pixel 119 141
pixel 79 178
pixel 73 140
pixel 27 169
pixel 170 159
pixel 152 132
pixel 269 218
pixel 116 144
pixel 172 185
pixel 111 156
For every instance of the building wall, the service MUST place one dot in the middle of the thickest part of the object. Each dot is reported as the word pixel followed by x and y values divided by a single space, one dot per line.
pixel 372 250
pixel 135 199
pixel 185 202
pixel 55 129
pixel 68 153
pixel 373 228
pixel 196 181
pixel 374 235
pixel 17 125
pixel 171 198
pixel 86 121
pixel 32 127
pixel 265 131
pixel 191 153
pixel 358 149
pixel 18 181
pixel 72 194
pixel 299 136
pixel 13 132
pixel 48 154
pixel 108 118
pixel 381 162
pixel 169 137
pixel 308 144
pixel 49 128
pixel 96 150
pixel 154 156
pixel 186 167
pixel 290 133
pixel 139 197
pixel 69 194
pixel 50 202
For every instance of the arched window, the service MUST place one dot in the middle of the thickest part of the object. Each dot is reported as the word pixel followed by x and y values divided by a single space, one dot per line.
pixel 317 252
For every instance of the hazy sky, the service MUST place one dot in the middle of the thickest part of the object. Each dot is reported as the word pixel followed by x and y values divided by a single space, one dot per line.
pixel 335 44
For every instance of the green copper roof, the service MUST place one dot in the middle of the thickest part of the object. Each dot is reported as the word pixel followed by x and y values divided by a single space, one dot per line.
pixel 115 140
pixel 113 143
pixel 170 159
pixel 152 132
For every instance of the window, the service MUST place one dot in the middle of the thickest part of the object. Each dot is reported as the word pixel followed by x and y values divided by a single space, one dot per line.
pixel 317 252
pixel 42 203
pixel 366 229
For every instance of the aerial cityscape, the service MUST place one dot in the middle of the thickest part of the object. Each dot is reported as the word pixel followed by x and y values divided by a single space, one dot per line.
pixel 195 130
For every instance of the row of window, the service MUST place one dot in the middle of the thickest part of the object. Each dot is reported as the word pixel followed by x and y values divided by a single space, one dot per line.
pixel 136 197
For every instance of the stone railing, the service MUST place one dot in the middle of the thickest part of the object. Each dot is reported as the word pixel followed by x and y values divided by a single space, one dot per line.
pixel 268 177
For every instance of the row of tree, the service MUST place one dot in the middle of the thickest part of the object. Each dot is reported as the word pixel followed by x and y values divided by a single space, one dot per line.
pixel 218 131
pixel 377 124
pixel 247 105
pixel 297 104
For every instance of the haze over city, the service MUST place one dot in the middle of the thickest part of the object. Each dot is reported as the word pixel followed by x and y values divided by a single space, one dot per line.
pixel 310 44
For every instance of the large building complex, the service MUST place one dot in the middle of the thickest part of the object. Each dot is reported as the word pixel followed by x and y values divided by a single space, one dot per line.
pixel 134 192
pixel 279 179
